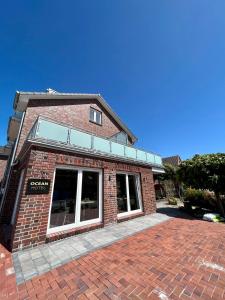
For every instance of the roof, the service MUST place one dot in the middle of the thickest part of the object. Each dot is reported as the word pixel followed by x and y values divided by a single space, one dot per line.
pixel 22 98
pixel 172 160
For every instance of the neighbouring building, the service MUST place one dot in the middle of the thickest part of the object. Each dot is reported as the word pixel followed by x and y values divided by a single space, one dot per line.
pixel 172 160
pixel 73 167
pixel 166 187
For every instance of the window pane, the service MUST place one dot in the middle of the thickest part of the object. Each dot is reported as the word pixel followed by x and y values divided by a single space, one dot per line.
pixel 92 115
pixel 121 193
pixel 122 137
pixel 98 117
pixel 64 198
pixel 90 196
pixel 134 201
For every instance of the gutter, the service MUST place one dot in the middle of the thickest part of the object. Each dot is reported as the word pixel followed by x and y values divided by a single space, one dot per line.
pixel 11 164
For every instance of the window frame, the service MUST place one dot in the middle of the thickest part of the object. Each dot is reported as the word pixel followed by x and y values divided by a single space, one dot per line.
pixel 95 116
pixel 138 186
pixel 77 223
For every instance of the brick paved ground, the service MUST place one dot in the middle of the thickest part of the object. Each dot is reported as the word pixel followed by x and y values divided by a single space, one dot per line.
pixel 178 259
pixel 32 262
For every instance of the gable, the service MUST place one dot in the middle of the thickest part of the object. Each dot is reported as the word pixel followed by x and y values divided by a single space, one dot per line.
pixel 22 99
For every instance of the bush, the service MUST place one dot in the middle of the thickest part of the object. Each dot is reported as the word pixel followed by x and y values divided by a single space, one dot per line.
pixel 200 198
pixel 172 201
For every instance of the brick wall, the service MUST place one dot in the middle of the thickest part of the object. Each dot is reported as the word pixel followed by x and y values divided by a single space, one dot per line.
pixel 3 163
pixel 32 218
pixel 73 113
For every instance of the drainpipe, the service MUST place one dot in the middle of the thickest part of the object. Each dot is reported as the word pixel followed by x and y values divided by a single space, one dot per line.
pixel 11 164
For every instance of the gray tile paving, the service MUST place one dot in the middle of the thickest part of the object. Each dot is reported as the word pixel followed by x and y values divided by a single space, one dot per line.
pixel 31 262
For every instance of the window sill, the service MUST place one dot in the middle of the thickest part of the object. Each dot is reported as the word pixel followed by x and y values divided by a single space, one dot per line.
pixel 129 216
pixel 70 232
pixel 95 123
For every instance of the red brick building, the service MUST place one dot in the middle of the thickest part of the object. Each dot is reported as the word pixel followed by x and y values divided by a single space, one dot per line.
pixel 73 167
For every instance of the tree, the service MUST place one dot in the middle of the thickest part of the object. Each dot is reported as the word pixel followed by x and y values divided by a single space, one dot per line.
pixel 206 172
pixel 171 173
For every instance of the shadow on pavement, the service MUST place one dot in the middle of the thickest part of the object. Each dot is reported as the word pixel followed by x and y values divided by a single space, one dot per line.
pixel 174 212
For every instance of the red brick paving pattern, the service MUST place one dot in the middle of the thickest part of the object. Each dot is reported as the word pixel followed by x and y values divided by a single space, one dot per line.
pixel 163 262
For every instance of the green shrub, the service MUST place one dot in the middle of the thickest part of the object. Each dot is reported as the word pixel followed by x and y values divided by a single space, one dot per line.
pixel 200 198
pixel 172 201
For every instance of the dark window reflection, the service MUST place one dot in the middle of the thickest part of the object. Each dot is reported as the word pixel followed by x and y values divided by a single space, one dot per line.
pixel 121 193
pixel 134 202
pixel 90 196
pixel 64 198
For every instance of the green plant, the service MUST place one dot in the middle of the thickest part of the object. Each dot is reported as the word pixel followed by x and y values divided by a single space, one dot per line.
pixel 171 174
pixel 200 198
pixel 172 201
pixel 206 172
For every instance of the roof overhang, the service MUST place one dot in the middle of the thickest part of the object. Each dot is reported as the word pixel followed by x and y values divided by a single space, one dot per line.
pixel 22 98
pixel 156 170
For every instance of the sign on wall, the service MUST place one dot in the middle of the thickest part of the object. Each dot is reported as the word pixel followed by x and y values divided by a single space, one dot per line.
pixel 38 186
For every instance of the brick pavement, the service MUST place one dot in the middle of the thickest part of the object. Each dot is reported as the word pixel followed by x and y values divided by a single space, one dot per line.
pixel 38 260
pixel 178 259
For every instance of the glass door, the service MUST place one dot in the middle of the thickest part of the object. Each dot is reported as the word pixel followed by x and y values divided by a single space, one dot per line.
pixel 76 198
pixel 64 198
pixel 128 193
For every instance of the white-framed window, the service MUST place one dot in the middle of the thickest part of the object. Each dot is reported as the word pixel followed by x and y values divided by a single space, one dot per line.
pixel 128 193
pixel 95 116
pixel 76 198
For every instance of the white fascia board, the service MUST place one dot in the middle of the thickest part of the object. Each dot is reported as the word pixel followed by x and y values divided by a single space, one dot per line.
pixel 158 170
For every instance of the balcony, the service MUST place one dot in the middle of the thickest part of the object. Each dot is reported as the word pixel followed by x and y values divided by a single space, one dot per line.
pixel 51 133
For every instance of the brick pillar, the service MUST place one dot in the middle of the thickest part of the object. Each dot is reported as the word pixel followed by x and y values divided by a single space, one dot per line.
pixel 32 215
pixel 109 195
pixel 148 191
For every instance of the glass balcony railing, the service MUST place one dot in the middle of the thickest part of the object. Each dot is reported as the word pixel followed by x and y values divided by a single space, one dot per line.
pixel 48 131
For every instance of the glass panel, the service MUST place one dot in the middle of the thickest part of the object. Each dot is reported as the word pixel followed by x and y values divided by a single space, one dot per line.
pixel 101 144
pixel 134 201
pixel 121 193
pixel 150 158
pixel 158 160
pixel 92 115
pixel 117 149
pixel 90 196
pixel 130 152
pixel 52 131
pixel 122 137
pixel 64 198
pixel 98 117
pixel 80 139
pixel 141 155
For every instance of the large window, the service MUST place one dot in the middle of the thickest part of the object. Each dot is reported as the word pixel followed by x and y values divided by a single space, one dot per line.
pixel 95 116
pixel 64 198
pixel 76 199
pixel 128 193
pixel 90 196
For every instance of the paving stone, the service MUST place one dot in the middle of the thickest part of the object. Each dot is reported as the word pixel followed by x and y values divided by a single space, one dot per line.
pixel 45 257
pixel 163 262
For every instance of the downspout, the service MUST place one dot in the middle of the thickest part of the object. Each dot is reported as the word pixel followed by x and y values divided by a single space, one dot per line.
pixel 11 163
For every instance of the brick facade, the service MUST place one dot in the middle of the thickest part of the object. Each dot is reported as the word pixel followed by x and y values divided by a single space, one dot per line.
pixel 32 218
pixel 70 112
pixel 31 223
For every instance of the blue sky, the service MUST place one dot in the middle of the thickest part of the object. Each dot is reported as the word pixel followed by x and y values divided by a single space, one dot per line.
pixel 159 64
